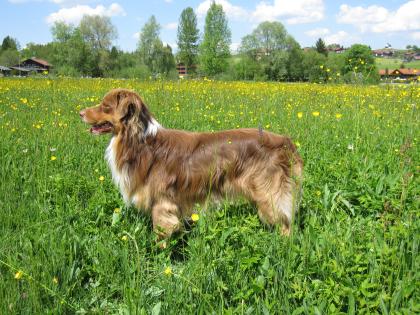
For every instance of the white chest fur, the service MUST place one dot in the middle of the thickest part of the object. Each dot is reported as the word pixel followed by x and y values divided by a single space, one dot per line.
pixel 120 176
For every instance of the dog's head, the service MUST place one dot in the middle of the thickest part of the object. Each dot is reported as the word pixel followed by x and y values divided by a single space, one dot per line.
pixel 120 111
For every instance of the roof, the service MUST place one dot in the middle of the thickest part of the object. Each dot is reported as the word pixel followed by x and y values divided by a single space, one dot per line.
pixel 403 71
pixel 406 71
pixel 3 68
pixel 21 69
pixel 38 60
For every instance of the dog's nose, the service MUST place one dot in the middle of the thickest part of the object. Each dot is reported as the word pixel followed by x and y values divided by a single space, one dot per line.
pixel 82 113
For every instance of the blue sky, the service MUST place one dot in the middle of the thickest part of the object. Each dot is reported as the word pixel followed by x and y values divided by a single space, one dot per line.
pixel 371 22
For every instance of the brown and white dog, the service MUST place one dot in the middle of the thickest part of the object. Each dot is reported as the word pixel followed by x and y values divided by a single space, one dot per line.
pixel 166 171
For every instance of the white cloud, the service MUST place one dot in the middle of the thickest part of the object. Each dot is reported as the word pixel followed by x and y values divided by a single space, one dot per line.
pixel 171 26
pixel 378 19
pixel 232 11
pixel 74 14
pixel 340 37
pixel 59 2
pixel 318 32
pixel 136 35
pixel 295 11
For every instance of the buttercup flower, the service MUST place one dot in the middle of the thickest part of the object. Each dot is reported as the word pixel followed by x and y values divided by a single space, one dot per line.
pixel 19 275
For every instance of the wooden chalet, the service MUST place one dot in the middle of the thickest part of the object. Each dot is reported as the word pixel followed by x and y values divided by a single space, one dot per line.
pixel 400 74
pixel 386 52
pixel 33 65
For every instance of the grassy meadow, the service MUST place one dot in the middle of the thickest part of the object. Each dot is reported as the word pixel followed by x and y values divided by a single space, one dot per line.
pixel 68 244
pixel 395 63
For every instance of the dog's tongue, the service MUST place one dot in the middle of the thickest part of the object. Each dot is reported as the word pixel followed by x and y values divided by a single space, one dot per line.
pixel 98 129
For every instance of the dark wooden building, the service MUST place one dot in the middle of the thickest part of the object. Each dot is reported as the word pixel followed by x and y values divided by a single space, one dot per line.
pixel 34 64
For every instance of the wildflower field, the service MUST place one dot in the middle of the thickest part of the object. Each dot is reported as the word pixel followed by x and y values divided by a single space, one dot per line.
pixel 68 244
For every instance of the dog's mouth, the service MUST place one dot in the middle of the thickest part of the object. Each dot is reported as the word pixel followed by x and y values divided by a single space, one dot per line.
pixel 101 128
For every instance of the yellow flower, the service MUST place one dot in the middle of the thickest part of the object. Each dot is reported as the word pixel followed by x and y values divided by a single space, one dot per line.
pixel 195 217
pixel 168 271
pixel 117 210
pixel 124 238
pixel 101 178
pixel 321 67
pixel 318 193
pixel 55 280
pixel 300 115
pixel 315 114
pixel 297 144
pixel 53 158
pixel 338 116
pixel 19 275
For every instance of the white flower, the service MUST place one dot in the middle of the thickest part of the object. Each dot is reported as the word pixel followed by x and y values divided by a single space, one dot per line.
pixel 350 147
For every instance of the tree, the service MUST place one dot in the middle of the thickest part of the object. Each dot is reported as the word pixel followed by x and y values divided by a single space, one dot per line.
pixel 9 57
pixel 166 60
pixel 9 43
pixel 265 39
pixel 149 42
pixel 98 31
pixel 359 58
pixel 320 47
pixel 72 55
pixel 295 62
pixel 275 50
pixel 214 50
pixel 314 66
pixel 43 51
pixel 188 35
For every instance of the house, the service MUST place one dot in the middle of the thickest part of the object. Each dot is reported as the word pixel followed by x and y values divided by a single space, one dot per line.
pixel 183 69
pixel 386 52
pixel 336 48
pixel 33 64
pixel 5 71
pixel 400 74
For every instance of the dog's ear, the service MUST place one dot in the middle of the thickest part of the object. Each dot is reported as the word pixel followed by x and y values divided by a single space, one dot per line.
pixel 130 107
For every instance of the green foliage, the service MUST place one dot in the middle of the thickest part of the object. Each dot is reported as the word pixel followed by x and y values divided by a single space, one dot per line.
pixel 267 38
pixel 43 51
pixel 320 47
pixel 188 36
pixel 9 57
pixel 360 64
pixel 277 52
pixel 313 66
pixel 214 49
pixel 149 42
pixel 157 57
pixel 98 32
pixel 9 43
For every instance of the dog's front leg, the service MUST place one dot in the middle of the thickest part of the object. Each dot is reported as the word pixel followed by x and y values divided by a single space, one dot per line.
pixel 165 216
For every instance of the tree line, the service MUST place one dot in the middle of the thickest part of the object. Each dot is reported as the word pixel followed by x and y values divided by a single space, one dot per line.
pixel 268 53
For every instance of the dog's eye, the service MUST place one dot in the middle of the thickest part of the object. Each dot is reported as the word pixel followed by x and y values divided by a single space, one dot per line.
pixel 106 108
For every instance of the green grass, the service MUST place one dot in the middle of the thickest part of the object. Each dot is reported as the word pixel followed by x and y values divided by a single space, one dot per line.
pixel 395 63
pixel 354 248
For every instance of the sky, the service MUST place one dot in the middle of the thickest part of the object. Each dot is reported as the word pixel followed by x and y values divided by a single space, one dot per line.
pixel 372 22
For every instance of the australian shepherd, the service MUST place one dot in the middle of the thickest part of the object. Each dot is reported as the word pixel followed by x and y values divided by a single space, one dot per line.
pixel 165 172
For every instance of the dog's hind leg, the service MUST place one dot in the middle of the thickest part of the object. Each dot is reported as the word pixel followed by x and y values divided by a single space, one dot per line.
pixel 165 216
